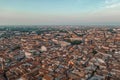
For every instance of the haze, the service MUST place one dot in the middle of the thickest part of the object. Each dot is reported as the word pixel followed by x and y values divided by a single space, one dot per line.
pixel 55 12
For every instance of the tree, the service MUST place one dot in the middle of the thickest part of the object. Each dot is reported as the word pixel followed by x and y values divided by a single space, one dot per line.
pixel 94 52
pixel 76 42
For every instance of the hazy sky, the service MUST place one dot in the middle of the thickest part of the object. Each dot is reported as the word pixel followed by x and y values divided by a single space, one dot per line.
pixel 45 12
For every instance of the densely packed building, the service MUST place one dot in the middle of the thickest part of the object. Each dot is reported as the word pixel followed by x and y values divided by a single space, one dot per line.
pixel 66 53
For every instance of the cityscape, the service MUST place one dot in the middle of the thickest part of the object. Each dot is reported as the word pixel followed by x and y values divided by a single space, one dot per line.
pixel 59 39
pixel 59 53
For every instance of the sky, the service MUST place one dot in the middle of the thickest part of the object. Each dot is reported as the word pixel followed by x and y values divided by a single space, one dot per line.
pixel 59 12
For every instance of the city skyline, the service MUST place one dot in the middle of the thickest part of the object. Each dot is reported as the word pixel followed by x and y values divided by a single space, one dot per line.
pixel 59 12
